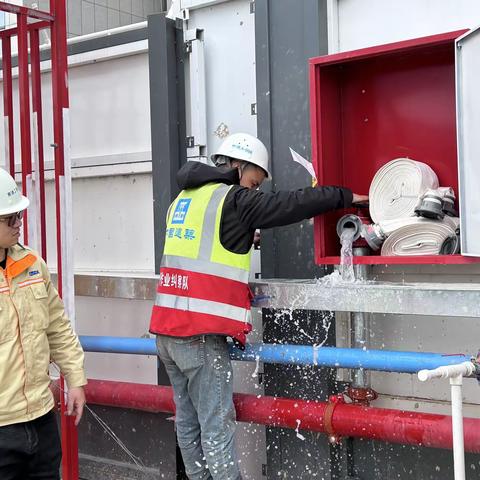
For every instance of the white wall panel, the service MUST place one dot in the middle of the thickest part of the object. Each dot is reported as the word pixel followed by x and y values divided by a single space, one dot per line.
pixel 365 23
pixel 112 224
pixel 115 317
pixel 229 36
pixel 109 126
pixel 110 107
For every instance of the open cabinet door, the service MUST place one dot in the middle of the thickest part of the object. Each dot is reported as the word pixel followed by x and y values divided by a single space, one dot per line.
pixel 467 64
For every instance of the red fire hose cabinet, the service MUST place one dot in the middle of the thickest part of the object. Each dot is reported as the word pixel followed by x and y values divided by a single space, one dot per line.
pixel 402 99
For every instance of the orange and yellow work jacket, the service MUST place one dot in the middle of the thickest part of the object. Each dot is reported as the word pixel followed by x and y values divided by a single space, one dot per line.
pixel 33 330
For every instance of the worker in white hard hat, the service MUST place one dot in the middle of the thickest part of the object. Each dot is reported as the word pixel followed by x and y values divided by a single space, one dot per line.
pixel 33 330
pixel 203 295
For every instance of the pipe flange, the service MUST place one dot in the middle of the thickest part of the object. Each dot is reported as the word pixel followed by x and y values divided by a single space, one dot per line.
pixel 361 396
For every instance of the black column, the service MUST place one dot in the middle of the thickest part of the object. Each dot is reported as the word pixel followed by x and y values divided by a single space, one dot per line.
pixel 287 34
pixel 167 112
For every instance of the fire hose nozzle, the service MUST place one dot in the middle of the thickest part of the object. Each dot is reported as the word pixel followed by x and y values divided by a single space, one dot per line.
pixel 363 233
pixel 352 222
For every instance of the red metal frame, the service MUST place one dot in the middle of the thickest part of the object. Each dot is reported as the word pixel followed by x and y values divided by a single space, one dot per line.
pixel 13 31
pixel 26 12
pixel 375 104
pixel 24 94
pixel 56 21
pixel 61 103
pixel 8 103
pixel 37 109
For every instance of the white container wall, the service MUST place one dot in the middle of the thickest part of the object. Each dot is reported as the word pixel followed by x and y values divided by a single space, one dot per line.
pixel 364 24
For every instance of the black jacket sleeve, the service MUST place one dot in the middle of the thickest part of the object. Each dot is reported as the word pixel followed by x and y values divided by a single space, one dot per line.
pixel 257 209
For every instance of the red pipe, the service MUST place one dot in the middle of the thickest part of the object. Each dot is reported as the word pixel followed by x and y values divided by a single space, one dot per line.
pixel 24 94
pixel 396 426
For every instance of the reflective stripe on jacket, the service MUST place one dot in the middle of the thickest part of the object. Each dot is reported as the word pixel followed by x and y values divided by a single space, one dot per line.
pixel 203 287
pixel 33 330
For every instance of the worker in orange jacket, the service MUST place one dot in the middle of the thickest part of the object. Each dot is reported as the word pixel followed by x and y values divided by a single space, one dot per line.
pixel 33 330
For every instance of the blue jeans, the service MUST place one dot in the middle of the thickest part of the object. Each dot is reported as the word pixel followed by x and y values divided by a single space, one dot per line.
pixel 31 450
pixel 200 372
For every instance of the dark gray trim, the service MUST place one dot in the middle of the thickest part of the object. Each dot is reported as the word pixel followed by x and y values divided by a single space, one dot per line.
pixel 264 122
pixel 92 44
pixel 287 34
pixel 181 112
pixel 167 153
pixel 107 41
pixel 167 118
pixel 262 55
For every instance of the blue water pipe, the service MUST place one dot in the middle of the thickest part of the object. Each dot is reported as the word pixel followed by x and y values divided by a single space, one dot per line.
pixel 381 360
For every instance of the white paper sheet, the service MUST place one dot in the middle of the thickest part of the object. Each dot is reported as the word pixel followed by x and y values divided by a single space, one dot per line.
pixel 304 162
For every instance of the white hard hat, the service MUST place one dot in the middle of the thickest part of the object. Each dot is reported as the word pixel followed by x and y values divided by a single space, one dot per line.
pixel 243 146
pixel 11 199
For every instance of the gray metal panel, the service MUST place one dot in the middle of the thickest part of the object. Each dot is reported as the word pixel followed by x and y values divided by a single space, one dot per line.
pixel 288 33
pixel 448 300
pixel 425 299
pixel 101 18
pixel 149 436
pixel 227 34
pixel 290 455
pixel 88 17
pixel 468 127
pixel 375 460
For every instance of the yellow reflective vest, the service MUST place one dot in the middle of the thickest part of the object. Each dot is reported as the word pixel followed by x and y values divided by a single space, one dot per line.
pixel 203 287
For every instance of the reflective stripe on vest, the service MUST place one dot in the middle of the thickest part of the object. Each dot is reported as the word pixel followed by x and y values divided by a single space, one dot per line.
pixel 205 266
pixel 202 306
pixel 198 275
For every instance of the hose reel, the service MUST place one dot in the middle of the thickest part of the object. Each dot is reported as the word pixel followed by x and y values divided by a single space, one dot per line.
pixel 411 214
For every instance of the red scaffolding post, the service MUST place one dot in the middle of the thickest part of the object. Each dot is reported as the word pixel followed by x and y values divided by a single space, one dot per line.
pixel 29 23
pixel 39 191
pixel 24 95
pixel 8 104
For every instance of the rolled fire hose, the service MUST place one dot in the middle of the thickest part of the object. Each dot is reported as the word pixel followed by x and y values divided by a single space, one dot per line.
pixel 419 236
pixel 397 187
pixel 453 222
